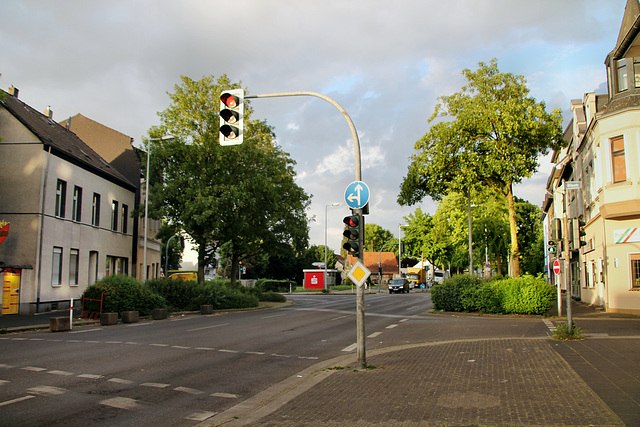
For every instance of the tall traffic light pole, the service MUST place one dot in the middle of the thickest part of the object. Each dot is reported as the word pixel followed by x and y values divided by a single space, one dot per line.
pixel 361 350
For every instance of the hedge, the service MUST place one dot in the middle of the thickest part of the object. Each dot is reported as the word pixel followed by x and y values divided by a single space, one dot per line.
pixel 122 293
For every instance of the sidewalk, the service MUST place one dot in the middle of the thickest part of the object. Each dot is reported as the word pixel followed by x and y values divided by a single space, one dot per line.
pixel 478 382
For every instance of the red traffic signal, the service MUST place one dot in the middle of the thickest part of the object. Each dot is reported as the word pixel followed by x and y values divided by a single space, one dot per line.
pixel 352 233
pixel 231 117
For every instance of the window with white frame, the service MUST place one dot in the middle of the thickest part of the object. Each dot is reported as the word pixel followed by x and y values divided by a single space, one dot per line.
pixel 61 198
pixel 635 271
pixel 95 210
pixel 56 267
pixel 618 161
pixel 73 267
pixel 623 82
pixel 76 213
pixel 124 219
pixel 114 215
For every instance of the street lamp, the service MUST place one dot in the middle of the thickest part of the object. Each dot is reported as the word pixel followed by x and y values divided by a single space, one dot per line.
pixel 400 249
pixel 146 204
pixel 325 243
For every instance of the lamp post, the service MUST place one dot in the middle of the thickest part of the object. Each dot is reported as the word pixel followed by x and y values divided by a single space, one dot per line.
pixel 146 204
pixel 325 242
pixel 400 249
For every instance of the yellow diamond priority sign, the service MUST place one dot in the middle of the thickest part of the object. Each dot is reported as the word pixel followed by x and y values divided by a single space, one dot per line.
pixel 359 273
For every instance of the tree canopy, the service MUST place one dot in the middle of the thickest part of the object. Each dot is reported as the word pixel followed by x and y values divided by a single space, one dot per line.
pixel 243 196
pixel 489 134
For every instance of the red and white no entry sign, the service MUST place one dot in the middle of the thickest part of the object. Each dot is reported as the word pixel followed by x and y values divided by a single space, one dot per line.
pixel 556 267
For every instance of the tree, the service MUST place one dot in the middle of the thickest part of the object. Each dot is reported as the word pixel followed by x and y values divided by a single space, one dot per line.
pixel 244 196
pixel 175 247
pixel 489 134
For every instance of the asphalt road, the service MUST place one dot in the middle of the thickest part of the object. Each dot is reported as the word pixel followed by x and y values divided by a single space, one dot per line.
pixel 184 370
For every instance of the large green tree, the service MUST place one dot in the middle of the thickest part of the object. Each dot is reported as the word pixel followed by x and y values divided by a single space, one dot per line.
pixel 243 196
pixel 489 134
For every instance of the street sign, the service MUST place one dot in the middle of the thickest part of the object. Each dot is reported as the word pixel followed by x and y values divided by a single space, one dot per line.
pixel 572 185
pixel 359 273
pixel 356 195
pixel 556 267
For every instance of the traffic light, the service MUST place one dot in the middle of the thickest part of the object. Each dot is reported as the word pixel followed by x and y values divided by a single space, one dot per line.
pixel 577 234
pixel 552 247
pixel 231 116
pixel 352 233
pixel 556 229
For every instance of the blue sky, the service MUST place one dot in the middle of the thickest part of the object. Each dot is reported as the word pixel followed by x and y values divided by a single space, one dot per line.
pixel 384 62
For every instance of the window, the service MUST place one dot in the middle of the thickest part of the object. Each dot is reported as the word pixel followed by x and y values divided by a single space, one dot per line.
pixel 61 197
pixel 623 83
pixel 635 271
pixel 125 218
pixel 114 215
pixel 636 71
pixel 95 210
pixel 117 265
pixel 618 159
pixel 76 214
pixel 56 267
pixel 73 267
pixel 93 267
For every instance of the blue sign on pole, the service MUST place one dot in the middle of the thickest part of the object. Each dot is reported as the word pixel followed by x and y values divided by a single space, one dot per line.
pixel 356 195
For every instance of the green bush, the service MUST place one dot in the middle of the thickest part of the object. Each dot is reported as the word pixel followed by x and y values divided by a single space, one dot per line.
pixel 222 296
pixel 122 293
pixel 268 285
pixel 521 295
pixel 177 292
pixel 272 297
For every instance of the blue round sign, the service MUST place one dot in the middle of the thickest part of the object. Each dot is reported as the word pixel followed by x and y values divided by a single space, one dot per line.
pixel 356 195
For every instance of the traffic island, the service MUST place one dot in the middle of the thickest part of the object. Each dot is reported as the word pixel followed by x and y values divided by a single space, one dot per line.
pixel 108 319
pixel 59 324
pixel 130 317
pixel 159 314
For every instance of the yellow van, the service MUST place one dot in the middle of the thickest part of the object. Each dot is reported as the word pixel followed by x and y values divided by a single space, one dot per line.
pixel 184 276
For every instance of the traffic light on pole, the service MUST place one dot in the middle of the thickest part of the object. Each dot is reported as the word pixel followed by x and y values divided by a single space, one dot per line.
pixel 352 233
pixel 231 116
pixel 578 234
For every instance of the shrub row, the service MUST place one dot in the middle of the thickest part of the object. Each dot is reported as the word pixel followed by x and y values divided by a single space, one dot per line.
pixel 125 293
pixel 520 295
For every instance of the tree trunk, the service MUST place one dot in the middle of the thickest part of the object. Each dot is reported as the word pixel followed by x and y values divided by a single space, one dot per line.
pixel 201 263
pixel 513 226
pixel 234 268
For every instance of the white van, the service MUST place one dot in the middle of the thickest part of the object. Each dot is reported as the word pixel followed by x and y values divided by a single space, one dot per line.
pixel 439 276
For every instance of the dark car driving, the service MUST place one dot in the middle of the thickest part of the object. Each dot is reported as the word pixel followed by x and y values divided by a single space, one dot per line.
pixel 398 285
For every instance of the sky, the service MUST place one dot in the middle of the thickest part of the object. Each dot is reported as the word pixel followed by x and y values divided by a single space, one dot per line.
pixel 386 63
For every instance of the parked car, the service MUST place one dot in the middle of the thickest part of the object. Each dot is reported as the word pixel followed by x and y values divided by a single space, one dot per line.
pixel 398 285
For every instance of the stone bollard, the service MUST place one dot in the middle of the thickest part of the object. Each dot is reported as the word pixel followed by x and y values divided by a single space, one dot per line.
pixel 206 309
pixel 159 313
pixel 130 317
pixel 107 319
pixel 59 324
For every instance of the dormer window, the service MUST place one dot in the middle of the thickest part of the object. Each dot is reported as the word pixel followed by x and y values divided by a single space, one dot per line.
pixel 623 81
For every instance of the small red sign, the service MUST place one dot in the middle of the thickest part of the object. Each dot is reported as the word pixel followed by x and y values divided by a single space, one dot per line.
pixel 556 267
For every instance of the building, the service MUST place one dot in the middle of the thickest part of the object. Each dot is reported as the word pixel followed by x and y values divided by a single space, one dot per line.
pixel 601 164
pixel 117 149
pixel 68 209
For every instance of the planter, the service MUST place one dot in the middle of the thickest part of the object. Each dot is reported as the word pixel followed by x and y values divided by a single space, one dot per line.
pixel 107 319
pixel 130 317
pixel 159 313
pixel 206 309
pixel 58 324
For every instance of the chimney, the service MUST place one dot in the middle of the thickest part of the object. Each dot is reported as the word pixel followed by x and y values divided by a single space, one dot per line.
pixel 13 91
pixel 48 112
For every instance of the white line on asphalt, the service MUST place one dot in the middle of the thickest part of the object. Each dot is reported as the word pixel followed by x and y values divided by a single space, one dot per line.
pixel 33 368
pixel 207 327
pixel 279 355
pixel 93 342
pixel 391 326
pixel 3 382
pixel 351 347
pixel 131 343
pixel 205 348
pixel 19 339
pixel 121 403
pixel 189 390
pixel 258 353
pixel 113 342
pixel 82 331
pixel 200 416
pixel 3 365
pixel 19 399
pixel 133 325
pixel 36 339
pixel 155 385
pixel 181 347
pixel 45 390
pixel 225 395
pixel 274 315
pixel 90 376
pixel 61 373
pixel 228 351
pixel 160 345
pixel 341 317
pixel 375 334
pixel 403 320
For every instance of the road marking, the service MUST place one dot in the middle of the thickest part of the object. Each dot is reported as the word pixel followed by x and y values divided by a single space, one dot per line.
pixel 375 334
pixel 132 343
pixel 121 403
pixel 189 390
pixel 403 320
pixel 33 369
pixel 200 416
pixel 19 339
pixel 93 342
pixel 340 317
pixel 207 327
pixel 90 376
pixel 258 353
pixel 19 399
pixel 119 381
pixel 61 373
pixel 113 342
pixel 36 339
pixel 45 390
pixel 392 326
pixel 3 382
pixel 274 315
pixel 160 345
pixel 225 395
pixel 82 331
pixel 74 340
pixel 181 347
pixel 205 348
pixel 227 351
pixel 351 347
pixel 155 385
pixel 134 325
pixel 549 324
pixel 279 355
pixel 2 365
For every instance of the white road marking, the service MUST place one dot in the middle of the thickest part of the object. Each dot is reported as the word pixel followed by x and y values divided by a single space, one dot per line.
pixel 134 325
pixel 45 390
pixel 207 327
pixel 33 369
pixel 181 347
pixel 351 347
pixel 121 403
pixel 340 317
pixel 189 390
pixel 3 365
pixel 113 342
pixel 119 381
pixel 227 351
pixel 205 348
pixel 391 326
pixel 3 382
pixel 403 320
pixel 155 385
pixel 258 353
pixel 160 345
pixel 19 399
pixel 82 331
pixel 375 334
pixel 90 376
pixel 225 395
pixel 61 373
pixel 274 315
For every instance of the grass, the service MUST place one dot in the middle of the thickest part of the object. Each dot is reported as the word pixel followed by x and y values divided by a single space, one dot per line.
pixel 564 333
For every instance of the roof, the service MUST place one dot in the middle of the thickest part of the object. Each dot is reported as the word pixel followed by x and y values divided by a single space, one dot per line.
pixel 63 142
pixel 629 29
pixel 388 260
